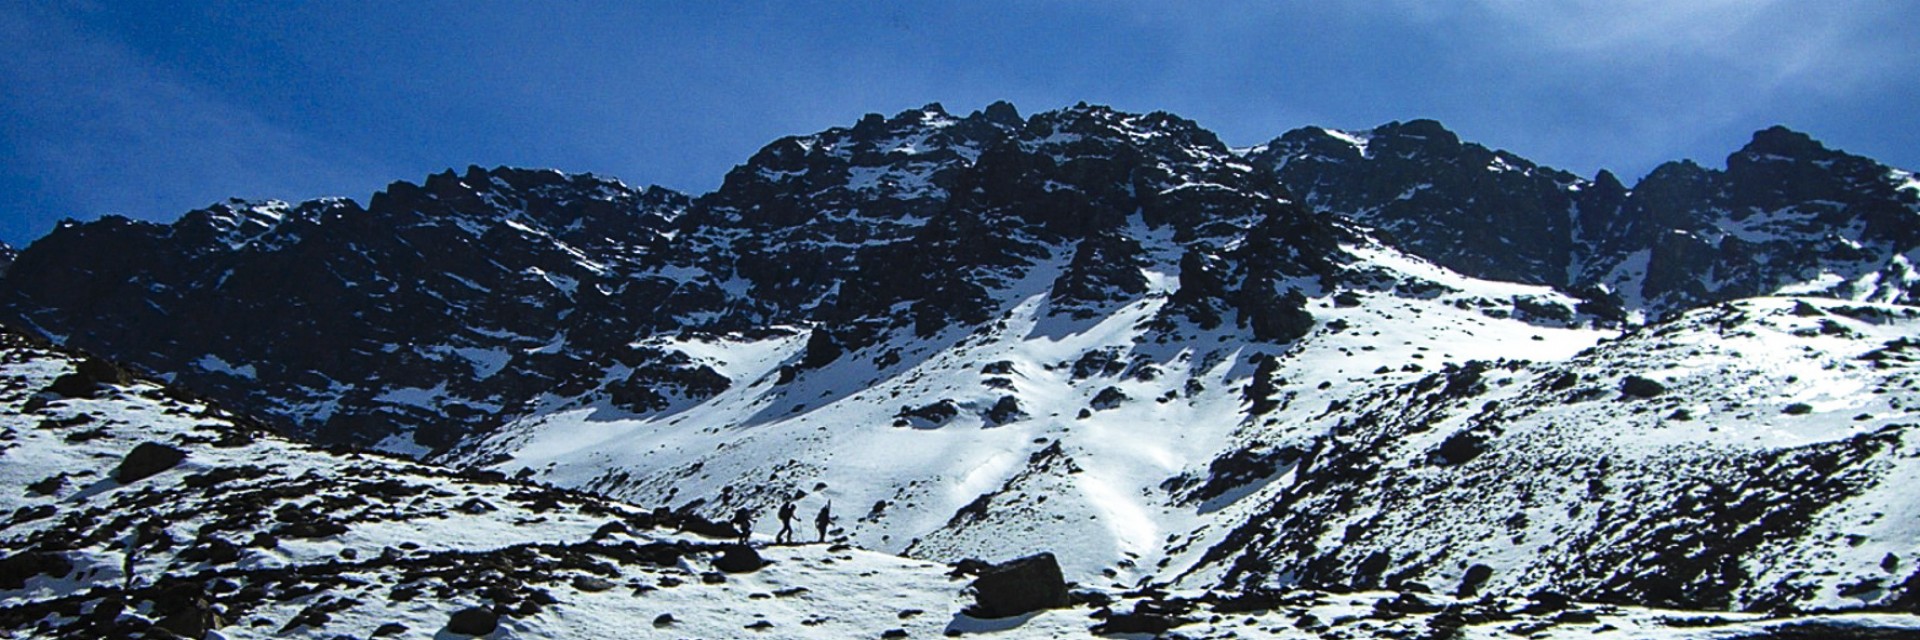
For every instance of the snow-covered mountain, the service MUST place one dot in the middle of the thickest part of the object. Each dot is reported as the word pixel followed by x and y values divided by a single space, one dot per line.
pixel 1786 215
pixel 1340 360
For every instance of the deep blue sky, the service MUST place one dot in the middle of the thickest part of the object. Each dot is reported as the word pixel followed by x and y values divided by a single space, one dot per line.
pixel 150 109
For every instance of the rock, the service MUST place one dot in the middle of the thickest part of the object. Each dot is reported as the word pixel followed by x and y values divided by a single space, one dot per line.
pixel 389 629
pixel 47 486
pixel 592 584
pixel 1006 409
pixel 738 558
pixel 87 377
pixel 476 506
pixel 894 633
pixel 146 460
pixel 1018 586
pixel 1475 577
pixel 17 568
pixel 193 619
pixel 473 621
pixel 1259 392
pixel 1459 448
pixel 821 350
pixel 1141 623
pixel 1638 387
pixel 932 414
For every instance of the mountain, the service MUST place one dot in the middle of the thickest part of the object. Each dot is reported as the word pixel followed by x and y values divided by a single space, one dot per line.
pixel 138 510
pixel 1111 337
pixel 1787 215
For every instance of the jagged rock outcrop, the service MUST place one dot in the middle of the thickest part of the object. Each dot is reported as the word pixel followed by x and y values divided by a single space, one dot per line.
pixel 1787 213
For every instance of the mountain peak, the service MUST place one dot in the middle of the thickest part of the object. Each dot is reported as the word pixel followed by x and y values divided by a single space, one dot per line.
pixel 1436 136
pixel 1779 141
pixel 1002 112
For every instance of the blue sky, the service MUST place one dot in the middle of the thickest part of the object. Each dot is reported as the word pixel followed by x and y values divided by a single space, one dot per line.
pixel 149 109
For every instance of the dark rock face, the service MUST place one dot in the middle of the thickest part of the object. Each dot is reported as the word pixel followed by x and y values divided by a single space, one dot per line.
pixel 1018 586
pixel 147 459
pixel 1486 213
pixel 448 288
pixel 1785 211
pixel 1105 269
pixel 442 309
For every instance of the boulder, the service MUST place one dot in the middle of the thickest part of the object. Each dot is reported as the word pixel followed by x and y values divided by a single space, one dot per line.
pixel 1476 577
pixel 184 610
pixel 473 621
pixel 146 460
pixel 1018 586
pixel 17 568
pixel 738 558
pixel 1638 387
pixel 87 377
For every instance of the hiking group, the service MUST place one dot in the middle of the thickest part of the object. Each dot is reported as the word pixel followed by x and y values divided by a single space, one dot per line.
pixel 743 523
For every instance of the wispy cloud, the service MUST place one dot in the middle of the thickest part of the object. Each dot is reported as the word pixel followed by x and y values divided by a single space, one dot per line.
pixel 103 130
pixel 1832 46
pixel 1625 84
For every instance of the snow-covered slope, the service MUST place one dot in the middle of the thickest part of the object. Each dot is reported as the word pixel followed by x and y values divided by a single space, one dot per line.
pixel 241 534
pixel 1089 437
pixel 1756 455
pixel 283 540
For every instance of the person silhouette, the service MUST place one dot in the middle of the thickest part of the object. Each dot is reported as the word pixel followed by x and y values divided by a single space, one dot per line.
pixel 820 520
pixel 743 523
pixel 786 524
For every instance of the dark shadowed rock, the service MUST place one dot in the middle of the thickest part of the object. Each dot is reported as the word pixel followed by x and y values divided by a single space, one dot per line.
pixel 1460 448
pixel 1476 576
pixel 473 621
pixel 1638 387
pixel 185 611
pixel 87 377
pixel 1006 409
pixel 738 558
pixel 17 568
pixel 147 459
pixel 1018 586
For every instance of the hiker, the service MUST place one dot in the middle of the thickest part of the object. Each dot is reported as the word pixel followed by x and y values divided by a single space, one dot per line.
pixel 821 519
pixel 743 522
pixel 140 536
pixel 786 524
